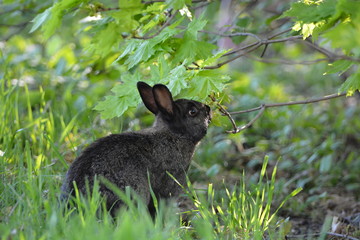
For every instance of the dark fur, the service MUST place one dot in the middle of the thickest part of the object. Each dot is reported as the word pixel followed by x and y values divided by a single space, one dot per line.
pixel 128 159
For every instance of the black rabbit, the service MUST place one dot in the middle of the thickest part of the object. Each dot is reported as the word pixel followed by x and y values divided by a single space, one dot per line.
pixel 136 158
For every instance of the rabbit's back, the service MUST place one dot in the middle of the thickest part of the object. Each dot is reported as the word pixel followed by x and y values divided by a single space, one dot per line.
pixel 130 159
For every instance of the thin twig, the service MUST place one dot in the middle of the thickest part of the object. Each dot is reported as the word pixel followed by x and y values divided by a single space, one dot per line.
pixel 264 42
pixel 233 34
pixel 241 48
pixel 270 105
pixel 263 107
pixel 249 48
pixel 279 33
pixel 239 129
pixel 330 55
pixel 223 111
pixel 107 9
pixel 254 47
pixel 14 25
pixel 324 51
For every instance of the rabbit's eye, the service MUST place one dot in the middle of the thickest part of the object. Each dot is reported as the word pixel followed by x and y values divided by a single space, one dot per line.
pixel 193 111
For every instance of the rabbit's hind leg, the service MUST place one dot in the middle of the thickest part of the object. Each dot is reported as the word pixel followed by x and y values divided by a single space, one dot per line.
pixel 139 190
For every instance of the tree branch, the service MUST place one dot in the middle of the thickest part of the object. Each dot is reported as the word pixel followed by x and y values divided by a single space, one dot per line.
pixel 223 111
pixel 330 55
pixel 233 34
pixel 14 25
pixel 263 107
pixel 251 47
pixel 239 129
pixel 247 49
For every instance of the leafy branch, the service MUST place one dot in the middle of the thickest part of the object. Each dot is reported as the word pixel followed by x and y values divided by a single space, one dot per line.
pixel 262 109
pixel 166 24
pixel 245 50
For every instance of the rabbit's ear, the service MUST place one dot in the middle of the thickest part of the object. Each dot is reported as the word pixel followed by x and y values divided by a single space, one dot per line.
pixel 163 99
pixel 147 97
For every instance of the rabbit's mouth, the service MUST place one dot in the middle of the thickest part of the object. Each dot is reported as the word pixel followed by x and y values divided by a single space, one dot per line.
pixel 208 120
pixel 209 114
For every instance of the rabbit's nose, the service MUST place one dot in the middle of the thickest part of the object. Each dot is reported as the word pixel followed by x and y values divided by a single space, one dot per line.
pixel 208 111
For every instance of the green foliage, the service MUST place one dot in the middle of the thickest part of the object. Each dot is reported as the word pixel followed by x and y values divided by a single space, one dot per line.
pixel 338 22
pixel 53 16
pixel 132 32
pixel 352 84
pixel 139 34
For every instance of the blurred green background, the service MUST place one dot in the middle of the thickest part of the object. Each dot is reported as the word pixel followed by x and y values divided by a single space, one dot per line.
pixel 48 89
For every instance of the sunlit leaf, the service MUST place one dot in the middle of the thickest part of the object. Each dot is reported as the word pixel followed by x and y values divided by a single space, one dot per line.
pixel 339 66
pixel 125 97
pixel 309 13
pixel 207 81
pixel 40 19
pixel 351 84
pixel 147 48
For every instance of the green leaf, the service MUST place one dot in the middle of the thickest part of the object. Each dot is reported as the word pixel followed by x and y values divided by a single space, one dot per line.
pixel 125 21
pixel 177 79
pixel 193 50
pixel 178 4
pixel 111 107
pixel 130 4
pixel 55 15
pixel 40 19
pixel 338 66
pixel 190 47
pixel 351 85
pixel 194 27
pixel 345 35
pixel 143 52
pixel 206 82
pixel 160 70
pixel 126 96
pixel 106 39
pixel 53 23
pixel 308 12
pixel 130 47
pixel 211 60
pixel 147 48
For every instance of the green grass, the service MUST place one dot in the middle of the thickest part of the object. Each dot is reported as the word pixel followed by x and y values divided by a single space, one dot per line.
pixel 37 138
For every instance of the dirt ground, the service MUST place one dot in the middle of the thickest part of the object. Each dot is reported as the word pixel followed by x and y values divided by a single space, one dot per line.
pixel 339 212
